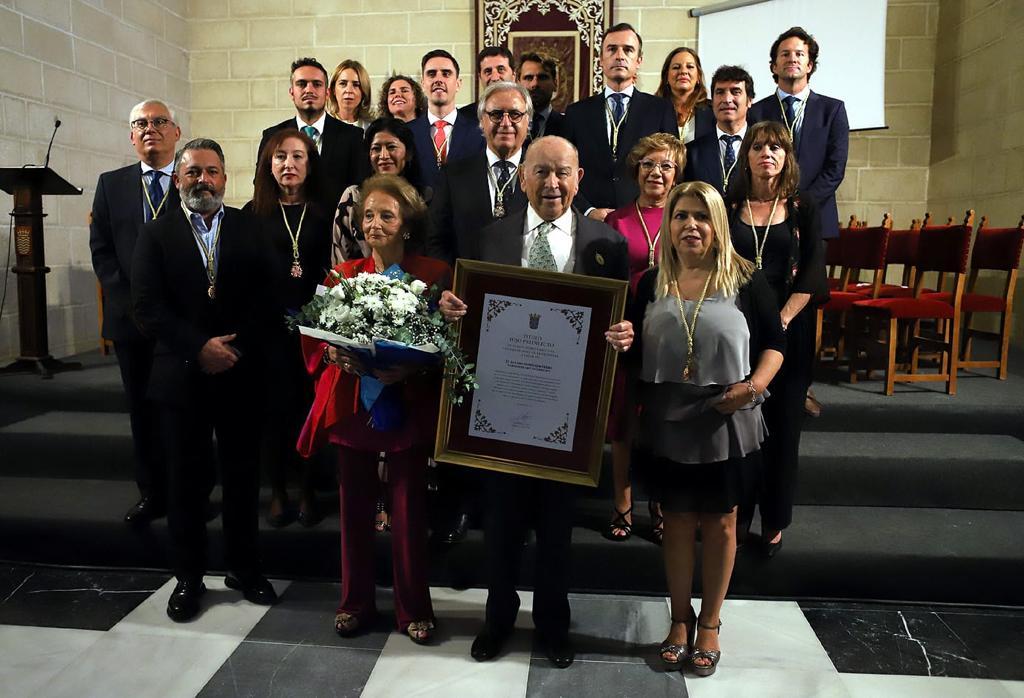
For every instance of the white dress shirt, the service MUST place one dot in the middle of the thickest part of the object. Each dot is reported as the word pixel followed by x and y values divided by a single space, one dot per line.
pixel 449 119
pixel 608 92
pixel 165 183
pixel 798 108
pixel 562 238
pixel 318 125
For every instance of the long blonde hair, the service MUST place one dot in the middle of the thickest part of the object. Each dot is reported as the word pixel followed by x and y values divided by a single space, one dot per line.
pixel 731 270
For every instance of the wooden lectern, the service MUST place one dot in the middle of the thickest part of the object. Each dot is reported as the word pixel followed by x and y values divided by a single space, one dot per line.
pixel 28 185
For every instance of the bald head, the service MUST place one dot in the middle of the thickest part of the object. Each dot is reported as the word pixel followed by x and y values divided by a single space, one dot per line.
pixel 550 176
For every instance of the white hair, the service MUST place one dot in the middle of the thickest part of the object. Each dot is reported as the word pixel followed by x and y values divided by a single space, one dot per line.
pixel 136 111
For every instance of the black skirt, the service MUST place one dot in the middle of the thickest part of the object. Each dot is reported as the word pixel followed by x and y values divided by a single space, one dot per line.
pixel 706 488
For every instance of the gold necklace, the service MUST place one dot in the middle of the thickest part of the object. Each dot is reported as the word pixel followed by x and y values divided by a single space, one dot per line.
pixel 690 369
pixel 759 244
pixel 791 127
pixel 209 251
pixel 155 210
pixel 615 126
pixel 647 235
pixel 296 267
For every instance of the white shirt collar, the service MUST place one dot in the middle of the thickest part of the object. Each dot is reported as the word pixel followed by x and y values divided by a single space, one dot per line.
pixel 608 92
pixel 802 95
pixel 167 169
pixel 492 157
pixel 563 223
pixel 318 124
pixel 449 117
pixel 720 132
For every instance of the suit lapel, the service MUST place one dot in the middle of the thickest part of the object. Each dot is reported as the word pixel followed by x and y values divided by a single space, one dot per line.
pixel 581 243
pixel 599 118
pixel 509 236
pixel 131 185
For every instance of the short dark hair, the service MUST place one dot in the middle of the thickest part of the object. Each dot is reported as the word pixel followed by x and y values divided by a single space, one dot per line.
pixel 312 62
pixel 733 73
pixel 624 27
pixel 546 62
pixel 199 144
pixel 799 33
pixel 489 51
pixel 266 192
pixel 438 53
pixel 400 130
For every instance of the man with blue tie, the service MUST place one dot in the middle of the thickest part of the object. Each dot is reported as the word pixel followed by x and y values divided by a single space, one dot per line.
pixel 711 158
pixel 606 126
pixel 125 199
pixel 818 124
pixel 441 134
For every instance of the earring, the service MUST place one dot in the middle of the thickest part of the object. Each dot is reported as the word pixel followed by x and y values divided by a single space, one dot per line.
pixel 405 236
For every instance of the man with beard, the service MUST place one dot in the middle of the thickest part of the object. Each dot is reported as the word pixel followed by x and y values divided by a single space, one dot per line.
pixel 539 75
pixel 199 291
pixel 125 199
pixel 342 158
pixel 712 157
pixel 441 135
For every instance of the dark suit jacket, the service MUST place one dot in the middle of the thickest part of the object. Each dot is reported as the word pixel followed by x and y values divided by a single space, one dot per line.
pixel 555 124
pixel 823 147
pixel 600 249
pixel 704 163
pixel 169 295
pixel 461 208
pixel 704 121
pixel 606 182
pixel 113 229
pixel 467 139
pixel 344 160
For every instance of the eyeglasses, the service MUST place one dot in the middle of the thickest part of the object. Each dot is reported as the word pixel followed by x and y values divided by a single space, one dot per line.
pixel 665 166
pixel 498 114
pixel 159 123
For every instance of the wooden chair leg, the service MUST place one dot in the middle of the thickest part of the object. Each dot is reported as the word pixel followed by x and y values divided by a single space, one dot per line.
pixel 952 351
pixel 965 354
pixel 1004 345
pixel 890 364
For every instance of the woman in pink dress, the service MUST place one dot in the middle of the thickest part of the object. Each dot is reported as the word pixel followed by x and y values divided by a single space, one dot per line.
pixel 656 162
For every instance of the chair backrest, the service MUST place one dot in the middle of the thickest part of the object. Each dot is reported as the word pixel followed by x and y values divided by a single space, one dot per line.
pixel 865 248
pixel 902 247
pixel 944 249
pixel 998 248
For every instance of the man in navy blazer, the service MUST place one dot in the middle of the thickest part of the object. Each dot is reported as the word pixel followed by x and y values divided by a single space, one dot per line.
pixel 493 64
pixel 546 234
pixel 343 160
pixel 605 126
pixel 125 199
pixel 712 157
pixel 539 75
pixel 442 134
pixel 820 128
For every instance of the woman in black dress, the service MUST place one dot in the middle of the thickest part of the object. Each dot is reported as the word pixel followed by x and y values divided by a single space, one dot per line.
pixel 299 238
pixel 709 339
pixel 780 231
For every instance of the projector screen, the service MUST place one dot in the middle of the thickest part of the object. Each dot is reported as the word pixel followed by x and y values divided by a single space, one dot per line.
pixel 850 34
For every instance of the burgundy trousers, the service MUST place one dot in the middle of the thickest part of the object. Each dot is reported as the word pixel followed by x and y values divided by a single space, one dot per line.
pixel 358 487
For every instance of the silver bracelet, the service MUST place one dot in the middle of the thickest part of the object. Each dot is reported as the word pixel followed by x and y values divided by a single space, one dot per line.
pixel 753 391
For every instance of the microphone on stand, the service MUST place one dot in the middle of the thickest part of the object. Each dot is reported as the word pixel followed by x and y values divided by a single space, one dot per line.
pixel 56 125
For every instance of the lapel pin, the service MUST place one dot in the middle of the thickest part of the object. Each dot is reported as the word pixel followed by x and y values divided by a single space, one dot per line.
pixel 599 258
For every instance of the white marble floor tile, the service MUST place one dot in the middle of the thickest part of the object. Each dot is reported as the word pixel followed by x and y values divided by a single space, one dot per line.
pixel 151 665
pixel 1014 688
pixel 767 635
pixel 225 614
pixel 871 685
pixel 30 656
pixel 768 683
pixel 445 668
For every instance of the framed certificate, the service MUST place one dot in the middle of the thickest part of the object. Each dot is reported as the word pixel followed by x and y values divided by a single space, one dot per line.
pixel 544 368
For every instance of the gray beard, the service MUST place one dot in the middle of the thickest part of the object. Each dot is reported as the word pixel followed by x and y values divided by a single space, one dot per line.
pixel 195 201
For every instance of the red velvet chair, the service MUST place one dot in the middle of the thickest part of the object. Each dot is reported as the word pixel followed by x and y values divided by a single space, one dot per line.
pixel 833 258
pixel 999 250
pixel 902 250
pixel 943 250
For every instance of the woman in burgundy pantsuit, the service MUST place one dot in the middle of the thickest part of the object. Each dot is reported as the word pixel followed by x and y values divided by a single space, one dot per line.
pixel 391 215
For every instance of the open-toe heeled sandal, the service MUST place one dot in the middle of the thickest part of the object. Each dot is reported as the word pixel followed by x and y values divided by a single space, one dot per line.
pixel 674 656
pixel 712 656
pixel 420 631
pixel 382 524
pixel 657 522
pixel 346 624
pixel 618 528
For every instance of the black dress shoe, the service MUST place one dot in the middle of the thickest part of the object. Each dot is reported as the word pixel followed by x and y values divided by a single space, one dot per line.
pixel 769 550
pixel 254 587
pixel 457 533
pixel 556 647
pixel 184 602
pixel 144 511
pixel 488 643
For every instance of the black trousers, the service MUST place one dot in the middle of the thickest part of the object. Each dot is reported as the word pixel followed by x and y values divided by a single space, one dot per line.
pixel 186 435
pixel 514 504
pixel 135 359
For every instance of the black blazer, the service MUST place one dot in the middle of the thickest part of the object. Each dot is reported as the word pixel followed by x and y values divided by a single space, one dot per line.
pixel 113 230
pixel 169 295
pixel 704 163
pixel 555 124
pixel 606 182
pixel 467 139
pixel 600 249
pixel 461 208
pixel 343 158
pixel 823 147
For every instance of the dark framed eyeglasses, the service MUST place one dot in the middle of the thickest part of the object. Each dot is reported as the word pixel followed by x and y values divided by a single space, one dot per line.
pixel 159 123
pixel 496 115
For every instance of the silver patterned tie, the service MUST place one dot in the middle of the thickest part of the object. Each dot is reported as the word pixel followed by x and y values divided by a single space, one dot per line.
pixel 540 256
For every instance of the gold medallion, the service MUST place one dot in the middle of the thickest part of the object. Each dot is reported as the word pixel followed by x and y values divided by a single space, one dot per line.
pixel 211 292
pixel 296 270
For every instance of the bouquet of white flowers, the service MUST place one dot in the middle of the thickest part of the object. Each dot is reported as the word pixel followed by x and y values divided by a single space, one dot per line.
pixel 386 320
